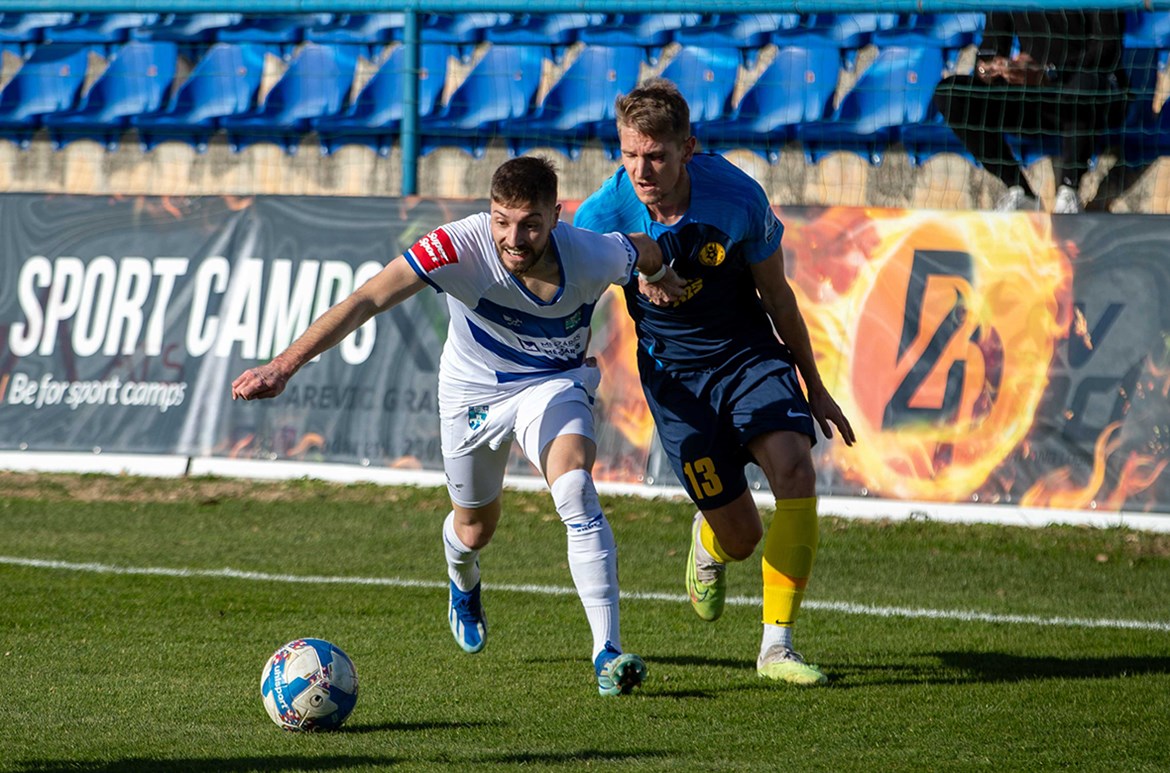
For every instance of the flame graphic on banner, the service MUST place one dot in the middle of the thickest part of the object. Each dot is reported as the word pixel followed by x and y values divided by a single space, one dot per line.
pixel 935 333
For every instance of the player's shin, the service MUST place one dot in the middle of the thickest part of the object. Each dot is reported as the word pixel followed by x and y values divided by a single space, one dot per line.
pixel 592 555
pixel 462 561
pixel 789 551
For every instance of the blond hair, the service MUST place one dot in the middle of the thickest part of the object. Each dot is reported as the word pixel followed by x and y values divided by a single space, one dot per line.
pixel 656 109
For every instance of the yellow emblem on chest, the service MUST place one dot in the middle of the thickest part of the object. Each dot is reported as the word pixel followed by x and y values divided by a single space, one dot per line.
pixel 712 254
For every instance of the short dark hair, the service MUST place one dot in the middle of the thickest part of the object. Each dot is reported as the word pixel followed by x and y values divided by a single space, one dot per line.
pixel 528 180
pixel 656 109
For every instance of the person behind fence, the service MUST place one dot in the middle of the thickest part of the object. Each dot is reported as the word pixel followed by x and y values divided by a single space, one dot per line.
pixel 1064 78
pixel 723 390
pixel 521 288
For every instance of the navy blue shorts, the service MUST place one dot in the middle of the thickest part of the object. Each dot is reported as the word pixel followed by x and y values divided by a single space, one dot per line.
pixel 705 419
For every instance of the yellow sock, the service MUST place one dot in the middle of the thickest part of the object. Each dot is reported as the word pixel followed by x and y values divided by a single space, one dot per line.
pixel 711 544
pixel 789 550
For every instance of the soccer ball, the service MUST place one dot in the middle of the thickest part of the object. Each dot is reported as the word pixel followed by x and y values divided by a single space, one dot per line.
pixel 309 684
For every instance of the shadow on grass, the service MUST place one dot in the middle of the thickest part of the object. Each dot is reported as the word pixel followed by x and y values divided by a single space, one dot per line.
pixel 324 763
pixel 208 765
pixel 1001 667
pixel 991 668
pixel 562 758
pixel 390 727
pixel 702 661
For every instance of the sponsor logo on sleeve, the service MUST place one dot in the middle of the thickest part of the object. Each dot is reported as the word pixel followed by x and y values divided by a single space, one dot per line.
pixel 434 250
pixel 771 223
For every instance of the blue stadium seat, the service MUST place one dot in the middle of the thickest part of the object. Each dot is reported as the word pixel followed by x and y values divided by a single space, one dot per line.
pixel 1149 30
pixel 285 31
pixel 1147 139
pixel 555 30
pixel 375 116
pixel 847 32
pixel 371 30
pixel 705 76
pixel 187 27
pixel 581 100
pixel 649 32
pixel 499 88
pixel 949 31
pixel 463 30
pixel 897 89
pixel 29 28
pixel 797 87
pixel 47 82
pixel 224 82
pixel 99 28
pixel 1139 137
pixel 316 84
pixel 746 31
pixel 135 82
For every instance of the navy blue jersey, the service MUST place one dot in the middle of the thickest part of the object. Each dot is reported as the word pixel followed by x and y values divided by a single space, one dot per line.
pixel 728 226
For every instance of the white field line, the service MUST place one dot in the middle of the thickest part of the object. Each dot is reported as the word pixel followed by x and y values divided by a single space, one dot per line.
pixel 967 616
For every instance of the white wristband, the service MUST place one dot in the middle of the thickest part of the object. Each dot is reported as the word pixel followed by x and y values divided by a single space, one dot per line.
pixel 657 275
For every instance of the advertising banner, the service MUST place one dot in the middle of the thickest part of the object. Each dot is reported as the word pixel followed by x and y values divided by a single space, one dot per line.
pixel 981 357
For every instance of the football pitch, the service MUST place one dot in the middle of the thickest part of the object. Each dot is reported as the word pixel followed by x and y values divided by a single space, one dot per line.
pixel 137 615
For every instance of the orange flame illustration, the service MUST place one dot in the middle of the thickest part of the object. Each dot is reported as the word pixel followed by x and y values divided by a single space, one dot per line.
pixel 940 371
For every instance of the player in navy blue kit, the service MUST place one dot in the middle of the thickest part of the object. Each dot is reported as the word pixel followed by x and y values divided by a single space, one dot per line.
pixel 722 388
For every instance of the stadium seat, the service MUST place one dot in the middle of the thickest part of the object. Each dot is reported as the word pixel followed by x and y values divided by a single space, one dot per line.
pixel 582 99
pixel 99 28
pixel 463 30
pixel 316 84
pixel 747 32
pixel 1147 139
pixel 187 27
pixel 705 76
pixel 649 32
pixel 285 31
pixel 375 116
pixel 847 32
pixel 135 82
pixel 1139 137
pixel 1149 30
pixel 897 89
pixel 556 30
pixel 224 82
pixel 47 82
pixel 500 87
pixel 371 30
pixel 797 87
pixel 29 28
pixel 949 31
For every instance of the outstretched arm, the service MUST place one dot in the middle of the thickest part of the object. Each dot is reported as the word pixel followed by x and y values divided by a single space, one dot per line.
pixel 389 287
pixel 780 303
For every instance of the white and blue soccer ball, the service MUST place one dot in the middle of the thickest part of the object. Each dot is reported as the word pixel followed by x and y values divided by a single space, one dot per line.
pixel 309 684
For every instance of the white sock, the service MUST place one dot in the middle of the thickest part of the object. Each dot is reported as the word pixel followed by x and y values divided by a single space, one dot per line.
pixel 462 561
pixel 776 635
pixel 592 555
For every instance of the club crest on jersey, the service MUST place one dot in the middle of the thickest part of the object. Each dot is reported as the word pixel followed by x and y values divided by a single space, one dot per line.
pixel 476 416
pixel 712 254
pixel 573 321
pixel 434 250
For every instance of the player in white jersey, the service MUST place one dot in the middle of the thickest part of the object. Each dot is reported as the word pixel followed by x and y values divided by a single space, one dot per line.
pixel 521 289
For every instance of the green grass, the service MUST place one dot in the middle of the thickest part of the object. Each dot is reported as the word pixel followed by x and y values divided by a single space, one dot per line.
pixel 116 672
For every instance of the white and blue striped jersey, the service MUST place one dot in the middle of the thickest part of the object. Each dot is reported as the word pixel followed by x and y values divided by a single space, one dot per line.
pixel 500 332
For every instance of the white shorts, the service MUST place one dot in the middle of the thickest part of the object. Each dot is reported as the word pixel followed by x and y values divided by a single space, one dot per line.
pixel 477 438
